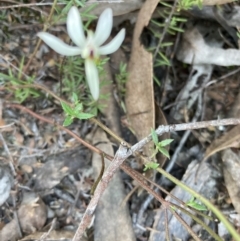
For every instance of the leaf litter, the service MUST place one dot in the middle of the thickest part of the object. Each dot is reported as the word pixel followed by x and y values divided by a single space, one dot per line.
pixel 54 172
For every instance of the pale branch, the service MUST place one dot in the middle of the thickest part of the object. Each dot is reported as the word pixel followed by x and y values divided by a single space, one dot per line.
pixel 120 156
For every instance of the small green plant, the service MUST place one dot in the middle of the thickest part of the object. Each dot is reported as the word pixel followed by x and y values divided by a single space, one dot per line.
pixel 74 112
pixel 150 165
pixel 196 205
pixel 188 4
pixel 14 84
pixel 160 146
pixel 167 24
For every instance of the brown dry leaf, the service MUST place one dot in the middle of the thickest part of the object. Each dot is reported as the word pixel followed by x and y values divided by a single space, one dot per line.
pixel 140 95
pixel 58 166
pixel 119 8
pixel 32 215
pixel 231 172
pixel 216 2
pixel 55 235
pixel 228 140
pixel 112 220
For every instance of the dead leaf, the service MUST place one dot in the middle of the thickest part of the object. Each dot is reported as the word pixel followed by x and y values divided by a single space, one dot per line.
pixel 32 215
pixel 231 172
pixel 140 95
pixel 58 166
pixel 112 220
pixel 119 8
pixel 55 235
pixel 228 140
pixel 216 2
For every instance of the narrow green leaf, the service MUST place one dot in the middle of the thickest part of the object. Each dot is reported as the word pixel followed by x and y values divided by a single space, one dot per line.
pixel 67 109
pixel 84 116
pixel 75 97
pixel 198 206
pixel 78 107
pixel 151 165
pixel 154 136
pixel 68 121
pixel 164 151
pixel 166 142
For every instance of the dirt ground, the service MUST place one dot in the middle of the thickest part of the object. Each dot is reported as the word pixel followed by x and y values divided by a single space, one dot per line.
pixel 177 71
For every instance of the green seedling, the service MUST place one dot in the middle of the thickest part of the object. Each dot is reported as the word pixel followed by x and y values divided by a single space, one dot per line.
pixel 74 112
pixel 188 4
pixel 151 165
pixel 160 146
pixel 196 205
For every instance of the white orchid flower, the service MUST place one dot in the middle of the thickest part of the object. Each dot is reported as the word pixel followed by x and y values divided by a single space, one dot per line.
pixel 88 47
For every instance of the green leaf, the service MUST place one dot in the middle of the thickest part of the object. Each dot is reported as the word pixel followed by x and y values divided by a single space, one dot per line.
pixel 151 165
pixel 166 142
pixel 198 206
pixel 67 109
pixel 84 116
pixel 75 97
pixel 163 151
pixel 68 121
pixel 78 107
pixel 154 136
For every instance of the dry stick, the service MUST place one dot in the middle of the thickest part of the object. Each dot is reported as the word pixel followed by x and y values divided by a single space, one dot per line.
pixel 183 222
pixel 45 235
pixel 166 224
pixel 120 156
pixel 16 217
pixel 11 162
pixel 23 5
pixel 48 4
pixel 26 5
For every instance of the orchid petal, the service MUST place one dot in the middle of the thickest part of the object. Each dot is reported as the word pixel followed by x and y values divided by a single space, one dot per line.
pixel 92 78
pixel 104 27
pixel 113 45
pixel 58 45
pixel 75 27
